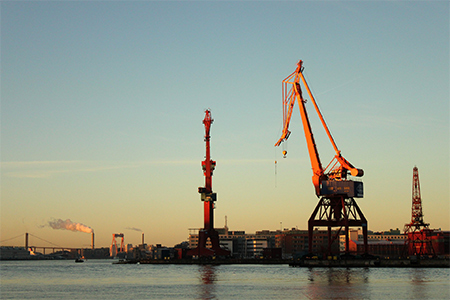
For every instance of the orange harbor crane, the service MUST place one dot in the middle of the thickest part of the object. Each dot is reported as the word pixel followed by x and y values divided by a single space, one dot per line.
pixel 208 197
pixel 337 206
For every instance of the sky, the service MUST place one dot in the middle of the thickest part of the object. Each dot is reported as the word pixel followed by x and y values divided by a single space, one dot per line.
pixel 102 104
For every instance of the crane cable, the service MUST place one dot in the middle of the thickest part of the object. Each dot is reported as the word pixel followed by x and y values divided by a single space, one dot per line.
pixel 275 155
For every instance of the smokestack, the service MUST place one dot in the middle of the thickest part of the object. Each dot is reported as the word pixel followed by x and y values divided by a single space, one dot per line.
pixel 142 239
pixel 26 241
pixel 92 239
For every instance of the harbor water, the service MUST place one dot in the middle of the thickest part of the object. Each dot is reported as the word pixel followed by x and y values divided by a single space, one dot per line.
pixel 100 279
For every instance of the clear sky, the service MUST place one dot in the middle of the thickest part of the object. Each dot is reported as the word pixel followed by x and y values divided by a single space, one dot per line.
pixel 102 106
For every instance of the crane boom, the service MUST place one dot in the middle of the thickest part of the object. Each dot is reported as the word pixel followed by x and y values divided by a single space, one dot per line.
pixel 295 94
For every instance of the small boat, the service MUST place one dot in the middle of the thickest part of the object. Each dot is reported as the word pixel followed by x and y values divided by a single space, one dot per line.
pixel 79 260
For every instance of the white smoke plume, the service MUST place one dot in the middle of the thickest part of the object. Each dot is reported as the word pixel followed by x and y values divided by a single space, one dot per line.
pixel 69 225
pixel 134 228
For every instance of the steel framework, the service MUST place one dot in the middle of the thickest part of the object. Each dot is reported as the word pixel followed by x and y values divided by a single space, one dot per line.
pixel 418 240
pixel 338 211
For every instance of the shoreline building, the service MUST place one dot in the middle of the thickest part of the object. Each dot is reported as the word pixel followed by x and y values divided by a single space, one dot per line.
pixel 239 243
pixel 384 244
pixel 294 242
pixel 393 243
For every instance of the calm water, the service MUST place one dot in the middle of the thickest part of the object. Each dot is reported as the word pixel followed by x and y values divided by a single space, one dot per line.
pixel 100 279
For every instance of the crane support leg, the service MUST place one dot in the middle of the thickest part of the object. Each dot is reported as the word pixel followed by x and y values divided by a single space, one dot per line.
pixel 336 211
pixel 364 226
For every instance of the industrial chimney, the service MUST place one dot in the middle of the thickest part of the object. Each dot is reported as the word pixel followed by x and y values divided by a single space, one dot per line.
pixel 92 240
pixel 142 239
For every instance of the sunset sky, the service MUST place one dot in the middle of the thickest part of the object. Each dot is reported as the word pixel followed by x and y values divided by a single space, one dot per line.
pixel 102 106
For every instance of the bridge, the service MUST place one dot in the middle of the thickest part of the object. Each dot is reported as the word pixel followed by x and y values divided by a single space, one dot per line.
pixel 44 249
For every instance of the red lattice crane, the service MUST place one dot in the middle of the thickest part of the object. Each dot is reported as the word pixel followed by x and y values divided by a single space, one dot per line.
pixel 418 234
pixel 208 197
pixel 336 207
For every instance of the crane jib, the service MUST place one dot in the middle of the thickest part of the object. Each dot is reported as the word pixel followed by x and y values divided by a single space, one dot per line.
pixel 326 181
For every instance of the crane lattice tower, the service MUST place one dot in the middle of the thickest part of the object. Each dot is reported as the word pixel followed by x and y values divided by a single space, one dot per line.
pixel 418 240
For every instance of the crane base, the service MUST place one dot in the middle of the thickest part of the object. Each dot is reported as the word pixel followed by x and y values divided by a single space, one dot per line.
pixel 337 211
pixel 203 251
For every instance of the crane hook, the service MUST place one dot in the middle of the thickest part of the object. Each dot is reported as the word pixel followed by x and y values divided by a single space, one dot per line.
pixel 284 153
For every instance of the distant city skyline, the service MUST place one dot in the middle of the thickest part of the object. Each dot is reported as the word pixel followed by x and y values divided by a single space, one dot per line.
pixel 39 242
pixel 103 102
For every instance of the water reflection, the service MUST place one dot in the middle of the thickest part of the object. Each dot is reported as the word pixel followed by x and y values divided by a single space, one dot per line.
pixel 337 283
pixel 418 282
pixel 338 276
pixel 208 277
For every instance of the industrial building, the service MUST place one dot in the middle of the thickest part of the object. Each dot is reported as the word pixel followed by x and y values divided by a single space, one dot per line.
pixel 394 244
pixel 386 244
pixel 252 245
pixel 294 242
pixel 239 243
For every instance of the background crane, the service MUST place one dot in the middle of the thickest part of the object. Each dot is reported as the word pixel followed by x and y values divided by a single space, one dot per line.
pixel 336 207
pixel 418 234
pixel 113 248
